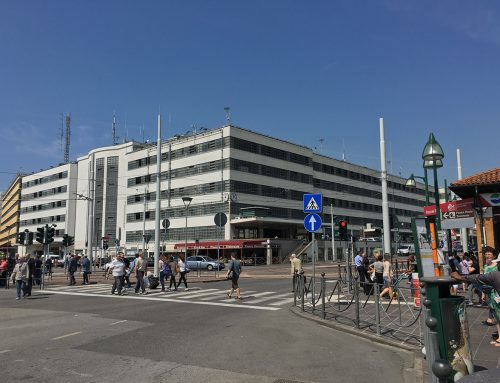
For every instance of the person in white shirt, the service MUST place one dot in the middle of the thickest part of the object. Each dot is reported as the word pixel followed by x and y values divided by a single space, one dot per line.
pixel 118 269
pixel 182 269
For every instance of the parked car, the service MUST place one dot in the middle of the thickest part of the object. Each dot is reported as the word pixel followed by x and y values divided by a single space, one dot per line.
pixel 405 250
pixel 203 263
pixel 57 260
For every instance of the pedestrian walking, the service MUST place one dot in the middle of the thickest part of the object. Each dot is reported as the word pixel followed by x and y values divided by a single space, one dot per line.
pixel 140 271
pixel 72 268
pixel 183 271
pixel 117 268
pixel 31 271
pixel 86 270
pixel 233 273
pixel 296 264
pixel 173 272
pixel 377 267
pixel 126 276
pixel 161 264
pixel 48 268
pixel 360 267
pixel 37 270
pixel 3 271
pixel 387 277
pixel 20 276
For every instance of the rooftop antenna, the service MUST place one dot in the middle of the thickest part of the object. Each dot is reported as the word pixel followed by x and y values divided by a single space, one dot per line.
pixel 321 140
pixel 126 128
pixel 62 132
pixel 227 110
pixel 68 138
pixel 114 128
pixel 343 150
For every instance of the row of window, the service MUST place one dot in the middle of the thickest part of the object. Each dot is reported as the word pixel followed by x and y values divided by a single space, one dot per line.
pixel 45 206
pixel 186 171
pixel 177 234
pixel 45 193
pixel 179 153
pixel 43 180
pixel 35 221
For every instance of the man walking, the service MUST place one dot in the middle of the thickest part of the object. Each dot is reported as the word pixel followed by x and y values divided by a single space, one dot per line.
pixel 72 268
pixel 118 269
pixel 86 270
pixel 140 270
pixel 233 272
pixel 296 267
pixel 31 270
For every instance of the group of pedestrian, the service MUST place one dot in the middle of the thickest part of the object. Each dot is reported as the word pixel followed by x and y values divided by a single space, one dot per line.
pixel 487 284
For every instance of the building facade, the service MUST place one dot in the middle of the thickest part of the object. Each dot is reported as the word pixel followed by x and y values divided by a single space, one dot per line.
pixel 48 198
pixel 9 222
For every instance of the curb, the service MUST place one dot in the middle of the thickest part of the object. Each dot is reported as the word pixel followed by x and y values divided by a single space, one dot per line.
pixel 412 373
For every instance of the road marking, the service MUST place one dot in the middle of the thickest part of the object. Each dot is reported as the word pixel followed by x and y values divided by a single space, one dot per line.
pixel 120 321
pixel 145 297
pixel 67 335
pixel 263 299
pixel 282 302
pixel 5 351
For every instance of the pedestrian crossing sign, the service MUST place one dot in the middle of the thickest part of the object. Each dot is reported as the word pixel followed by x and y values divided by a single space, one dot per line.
pixel 313 203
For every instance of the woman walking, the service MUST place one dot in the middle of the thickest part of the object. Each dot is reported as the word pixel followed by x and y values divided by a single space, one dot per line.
pixel 233 273
pixel 387 277
pixel 182 270
pixel 378 268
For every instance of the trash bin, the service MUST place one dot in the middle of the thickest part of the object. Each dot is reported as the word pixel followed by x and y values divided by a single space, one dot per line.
pixel 453 329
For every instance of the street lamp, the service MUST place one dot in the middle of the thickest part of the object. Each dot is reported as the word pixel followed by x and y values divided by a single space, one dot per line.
pixel 186 201
pixel 410 182
pixel 433 155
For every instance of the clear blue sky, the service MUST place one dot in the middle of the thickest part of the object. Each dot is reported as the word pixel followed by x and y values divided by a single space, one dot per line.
pixel 297 70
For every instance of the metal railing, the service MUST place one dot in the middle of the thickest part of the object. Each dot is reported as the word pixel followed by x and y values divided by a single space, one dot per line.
pixel 359 304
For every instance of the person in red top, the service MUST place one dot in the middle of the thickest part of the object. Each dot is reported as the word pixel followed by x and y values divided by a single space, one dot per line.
pixel 3 271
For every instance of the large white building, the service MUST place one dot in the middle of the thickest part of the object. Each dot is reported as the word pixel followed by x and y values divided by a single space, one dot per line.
pixel 256 180
pixel 47 198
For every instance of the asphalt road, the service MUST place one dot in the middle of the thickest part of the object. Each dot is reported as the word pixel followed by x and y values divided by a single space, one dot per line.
pixel 97 337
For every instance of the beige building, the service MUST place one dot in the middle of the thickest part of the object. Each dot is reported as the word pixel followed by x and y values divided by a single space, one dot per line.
pixel 9 222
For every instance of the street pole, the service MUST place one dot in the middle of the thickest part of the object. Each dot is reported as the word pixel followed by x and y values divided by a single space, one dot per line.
pixel 158 200
pixel 385 198
pixel 144 225
pixel 334 256
pixel 436 196
pixel 314 269
pixel 463 231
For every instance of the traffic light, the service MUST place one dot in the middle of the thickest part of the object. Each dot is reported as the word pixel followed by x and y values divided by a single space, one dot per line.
pixel 40 234
pixel 105 244
pixel 30 238
pixel 71 240
pixel 65 241
pixel 50 235
pixel 20 237
pixel 343 235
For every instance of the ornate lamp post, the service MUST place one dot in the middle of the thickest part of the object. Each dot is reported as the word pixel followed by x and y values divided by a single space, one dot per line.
pixel 410 182
pixel 433 155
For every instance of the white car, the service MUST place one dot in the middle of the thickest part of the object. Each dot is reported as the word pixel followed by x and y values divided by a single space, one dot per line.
pixel 405 250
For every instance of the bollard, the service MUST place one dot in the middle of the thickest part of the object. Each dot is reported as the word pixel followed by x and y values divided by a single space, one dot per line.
pixel 323 293
pixel 442 370
pixel 356 302
pixel 448 318
pixel 302 289
pixel 377 307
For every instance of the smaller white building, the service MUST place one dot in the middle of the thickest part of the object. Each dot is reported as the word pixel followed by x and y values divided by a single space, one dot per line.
pixel 48 198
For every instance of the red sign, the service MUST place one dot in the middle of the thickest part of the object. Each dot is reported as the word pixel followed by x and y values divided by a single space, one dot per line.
pixel 457 209
pixel 430 211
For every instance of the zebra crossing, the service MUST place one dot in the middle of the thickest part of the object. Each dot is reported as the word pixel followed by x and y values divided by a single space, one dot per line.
pixel 250 299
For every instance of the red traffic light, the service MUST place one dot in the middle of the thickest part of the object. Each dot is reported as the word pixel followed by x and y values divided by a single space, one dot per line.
pixel 343 224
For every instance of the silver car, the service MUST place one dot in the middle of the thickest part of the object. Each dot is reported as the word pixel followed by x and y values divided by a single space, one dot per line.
pixel 203 263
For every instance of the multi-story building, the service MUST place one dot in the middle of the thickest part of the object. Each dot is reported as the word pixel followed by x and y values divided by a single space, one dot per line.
pixel 258 182
pixel 9 222
pixel 101 196
pixel 48 198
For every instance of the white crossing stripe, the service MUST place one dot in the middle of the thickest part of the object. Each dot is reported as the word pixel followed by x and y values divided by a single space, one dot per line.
pixel 202 293
pixel 264 299
pixel 189 293
pixel 282 302
pixel 222 296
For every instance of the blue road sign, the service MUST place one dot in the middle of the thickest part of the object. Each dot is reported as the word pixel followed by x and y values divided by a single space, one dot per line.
pixel 312 222
pixel 313 203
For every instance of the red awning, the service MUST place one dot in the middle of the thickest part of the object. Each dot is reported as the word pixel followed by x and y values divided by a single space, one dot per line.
pixel 234 244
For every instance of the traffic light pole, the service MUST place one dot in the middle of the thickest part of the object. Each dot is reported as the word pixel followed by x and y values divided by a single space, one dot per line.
pixel 45 245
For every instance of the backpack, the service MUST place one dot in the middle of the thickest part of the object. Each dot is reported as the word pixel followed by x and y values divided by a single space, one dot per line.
pixel 166 269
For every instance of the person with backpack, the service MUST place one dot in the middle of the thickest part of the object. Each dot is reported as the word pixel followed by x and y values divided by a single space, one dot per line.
pixel 164 268
pixel 233 273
